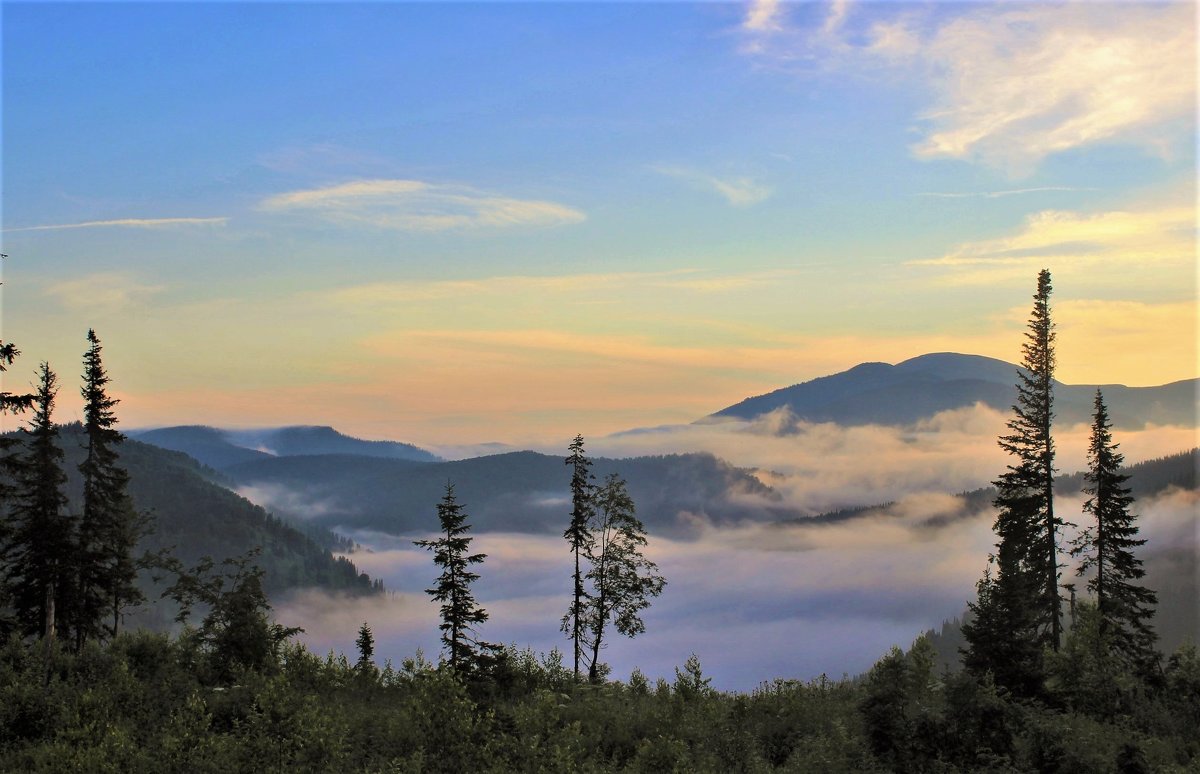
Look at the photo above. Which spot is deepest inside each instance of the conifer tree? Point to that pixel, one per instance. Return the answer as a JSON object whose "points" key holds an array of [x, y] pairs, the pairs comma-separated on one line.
{"points": [[366, 650], [237, 631], [109, 527], [1124, 607], [1013, 662], [9, 467], [578, 535], [1023, 594], [37, 553], [10, 403], [622, 580], [460, 613]]}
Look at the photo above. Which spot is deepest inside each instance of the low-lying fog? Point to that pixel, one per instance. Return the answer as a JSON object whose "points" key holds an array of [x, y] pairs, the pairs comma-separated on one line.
{"points": [[758, 601]]}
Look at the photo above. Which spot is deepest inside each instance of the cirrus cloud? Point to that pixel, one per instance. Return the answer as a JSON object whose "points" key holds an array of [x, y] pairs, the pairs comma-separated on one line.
{"points": [[1010, 85], [106, 292], [414, 205], [737, 191], [126, 223], [1113, 240]]}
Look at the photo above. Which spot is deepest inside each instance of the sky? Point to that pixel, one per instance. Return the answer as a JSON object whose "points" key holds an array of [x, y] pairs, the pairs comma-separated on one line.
{"points": [[462, 223]]}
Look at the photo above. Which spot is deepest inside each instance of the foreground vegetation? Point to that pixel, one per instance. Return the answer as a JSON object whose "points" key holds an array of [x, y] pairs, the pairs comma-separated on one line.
{"points": [[148, 702]]}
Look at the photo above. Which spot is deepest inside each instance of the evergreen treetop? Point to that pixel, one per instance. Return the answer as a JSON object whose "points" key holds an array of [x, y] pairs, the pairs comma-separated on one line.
{"points": [[578, 535], [109, 525], [1018, 610], [1107, 549], [460, 613], [37, 556]]}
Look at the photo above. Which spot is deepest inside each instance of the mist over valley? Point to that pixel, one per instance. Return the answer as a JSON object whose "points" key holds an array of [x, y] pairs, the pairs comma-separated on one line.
{"points": [[791, 545]]}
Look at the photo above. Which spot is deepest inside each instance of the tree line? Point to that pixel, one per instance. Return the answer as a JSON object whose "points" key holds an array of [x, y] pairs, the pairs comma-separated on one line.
{"points": [[69, 575], [1016, 621]]}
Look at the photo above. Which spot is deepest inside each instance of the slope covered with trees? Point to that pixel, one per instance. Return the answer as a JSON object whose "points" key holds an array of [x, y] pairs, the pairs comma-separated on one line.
{"points": [[517, 491], [192, 516]]}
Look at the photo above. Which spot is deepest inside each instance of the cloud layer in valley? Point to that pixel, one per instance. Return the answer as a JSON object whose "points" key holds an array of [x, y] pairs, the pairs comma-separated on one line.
{"points": [[754, 602], [822, 466]]}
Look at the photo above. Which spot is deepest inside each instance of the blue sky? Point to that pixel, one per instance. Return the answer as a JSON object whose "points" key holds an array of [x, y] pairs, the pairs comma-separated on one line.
{"points": [[467, 222]]}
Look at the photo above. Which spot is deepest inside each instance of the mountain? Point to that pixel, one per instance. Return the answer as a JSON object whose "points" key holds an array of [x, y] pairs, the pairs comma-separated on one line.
{"points": [[195, 516], [518, 491], [207, 445], [220, 448], [879, 393]]}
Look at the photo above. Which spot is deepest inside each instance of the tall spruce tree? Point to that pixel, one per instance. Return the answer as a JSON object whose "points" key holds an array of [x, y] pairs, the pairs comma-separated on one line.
{"points": [[1023, 597], [622, 579], [10, 404], [460, 613], [109, 527], [366, 650], [38, 551], [1106, 546], [579, 536]]}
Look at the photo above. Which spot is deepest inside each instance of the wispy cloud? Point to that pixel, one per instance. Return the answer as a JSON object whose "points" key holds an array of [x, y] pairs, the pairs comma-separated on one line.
{"points": [[835, 17], [694, 280], [1011, 85], [762, 16], [107, 292], [429, 290], [1066, 240], [738, 191], [127, 223], [1000, 194], [414, 205], [1014, 87]]}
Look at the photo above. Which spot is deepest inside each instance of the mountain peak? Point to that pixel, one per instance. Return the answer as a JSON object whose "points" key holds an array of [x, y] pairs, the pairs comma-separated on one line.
{"points": [[953, 365], [922, 386]]}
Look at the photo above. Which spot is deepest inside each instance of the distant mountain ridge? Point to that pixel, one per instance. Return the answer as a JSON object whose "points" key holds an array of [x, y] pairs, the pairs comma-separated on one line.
{"points": [[517, 491], [219, 448], [918, 388]]}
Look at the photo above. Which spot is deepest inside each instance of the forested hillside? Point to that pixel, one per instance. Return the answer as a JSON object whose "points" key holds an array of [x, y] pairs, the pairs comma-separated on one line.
{"points": [[193, 516], [518, 491], [218, 448]]}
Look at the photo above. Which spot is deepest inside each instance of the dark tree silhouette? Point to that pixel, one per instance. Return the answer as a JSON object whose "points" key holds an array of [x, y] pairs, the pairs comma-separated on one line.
{"points": [[110, 527], [1125, 608], [237, 632], [1023, 594], [578, 535], [9, 466], [366, 649], [460, 613], [622, 580], [38, 552]]}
